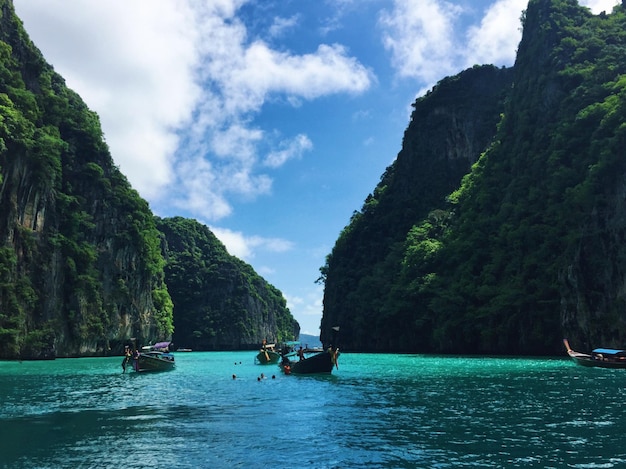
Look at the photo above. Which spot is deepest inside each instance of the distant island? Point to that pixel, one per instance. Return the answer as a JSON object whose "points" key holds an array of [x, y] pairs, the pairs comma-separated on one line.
{"points": [[310, 340]]}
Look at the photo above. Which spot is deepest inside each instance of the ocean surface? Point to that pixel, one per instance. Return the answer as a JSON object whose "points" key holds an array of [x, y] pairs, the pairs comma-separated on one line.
{"points": [[375, 411]]}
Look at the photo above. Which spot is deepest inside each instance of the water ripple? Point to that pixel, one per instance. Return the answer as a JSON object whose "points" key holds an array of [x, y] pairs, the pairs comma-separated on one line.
{"points": [[376, 411]]}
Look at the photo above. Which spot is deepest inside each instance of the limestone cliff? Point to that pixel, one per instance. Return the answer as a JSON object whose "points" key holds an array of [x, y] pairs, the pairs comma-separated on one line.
{"points": [[220, 303], [526, 248], [449, 129], [81, 269]]}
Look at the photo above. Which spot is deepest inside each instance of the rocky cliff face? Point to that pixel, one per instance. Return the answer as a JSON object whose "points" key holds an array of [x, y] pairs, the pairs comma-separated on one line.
{"points": [[220, 303], [528, 246], [450, 127], [80, 257]]}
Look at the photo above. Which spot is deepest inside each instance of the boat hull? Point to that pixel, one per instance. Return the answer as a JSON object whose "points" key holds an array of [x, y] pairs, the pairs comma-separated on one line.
{"points": [[267, 357], [589, 361], [154, 362], [320, 363], [595, 361]]}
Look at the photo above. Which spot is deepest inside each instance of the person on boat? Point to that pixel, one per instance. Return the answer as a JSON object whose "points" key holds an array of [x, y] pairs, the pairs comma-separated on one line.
{"points": [[301, 353]]}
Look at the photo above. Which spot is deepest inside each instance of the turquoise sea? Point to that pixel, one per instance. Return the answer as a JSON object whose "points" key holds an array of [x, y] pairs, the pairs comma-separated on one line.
{"points": [[375, 411]]}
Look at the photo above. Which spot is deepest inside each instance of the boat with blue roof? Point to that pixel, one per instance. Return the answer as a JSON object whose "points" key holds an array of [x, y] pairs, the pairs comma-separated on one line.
{"points": [[599, 357]]}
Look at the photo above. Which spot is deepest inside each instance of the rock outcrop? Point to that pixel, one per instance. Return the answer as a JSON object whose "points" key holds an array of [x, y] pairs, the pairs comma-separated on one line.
{"points": [[528, 247], [81, 269], [220, 302]]}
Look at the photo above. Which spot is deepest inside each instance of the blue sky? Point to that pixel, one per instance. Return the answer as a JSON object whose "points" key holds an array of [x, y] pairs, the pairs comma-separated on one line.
{"points": [[270, 121]]}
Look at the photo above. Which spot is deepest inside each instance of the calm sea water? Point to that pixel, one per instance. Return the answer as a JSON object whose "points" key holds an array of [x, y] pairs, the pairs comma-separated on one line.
{"points": [[375, 411]]}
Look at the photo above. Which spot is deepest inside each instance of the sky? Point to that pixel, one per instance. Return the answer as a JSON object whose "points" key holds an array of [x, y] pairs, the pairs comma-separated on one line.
{"points": [[269, 121]]}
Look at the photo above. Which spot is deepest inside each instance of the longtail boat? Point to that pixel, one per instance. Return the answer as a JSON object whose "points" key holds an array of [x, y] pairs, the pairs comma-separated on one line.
{"points": [[599, 357], [154, 361], [311, 361], [267, 355], [155, 357]]}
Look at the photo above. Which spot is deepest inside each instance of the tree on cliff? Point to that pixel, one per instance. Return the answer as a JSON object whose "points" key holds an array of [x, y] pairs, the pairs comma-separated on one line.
{"points": [[220, 302], [81, 268], [529, 245]]}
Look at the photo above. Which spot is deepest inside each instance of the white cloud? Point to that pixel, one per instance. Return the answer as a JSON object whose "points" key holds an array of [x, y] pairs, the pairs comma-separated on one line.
{"points": [[280, 25], [429, 39], [243, 247], [238, 78], [178, 85], [598, 6], [495, 39], [419, 35], [262, 70], [132, 62], [197, 177], [308, 308], [289, 150]]}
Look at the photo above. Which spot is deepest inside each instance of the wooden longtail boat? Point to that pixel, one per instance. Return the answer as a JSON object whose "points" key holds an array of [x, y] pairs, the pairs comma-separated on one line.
{"points": [[155, 357], [311, 361], [599, 357], [154, 361], [267, 355]]}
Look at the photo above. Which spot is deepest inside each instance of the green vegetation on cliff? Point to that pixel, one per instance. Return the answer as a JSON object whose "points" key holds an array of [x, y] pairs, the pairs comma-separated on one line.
{"points": [[82, 267], [529, 246], [220, 302], [80, 257]]}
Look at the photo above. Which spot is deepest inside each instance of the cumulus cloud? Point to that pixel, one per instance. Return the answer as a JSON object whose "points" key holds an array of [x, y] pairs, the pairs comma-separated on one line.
{"points": [[178, 84], [288, 150], [309, 303], [495, 39], [280, 25], [419, 35], [429, 39], [598, 6], [242, 246], [133, 63], [237, 78]]}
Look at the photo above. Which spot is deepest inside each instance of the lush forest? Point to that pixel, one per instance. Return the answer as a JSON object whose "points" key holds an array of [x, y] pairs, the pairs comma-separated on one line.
{"points": [[220, 302], [82, 263], [527, 246], [80, 256]]}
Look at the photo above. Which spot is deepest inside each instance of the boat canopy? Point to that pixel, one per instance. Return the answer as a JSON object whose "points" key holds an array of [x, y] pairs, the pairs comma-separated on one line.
{"points": [[609, 351], [161, 345]]}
